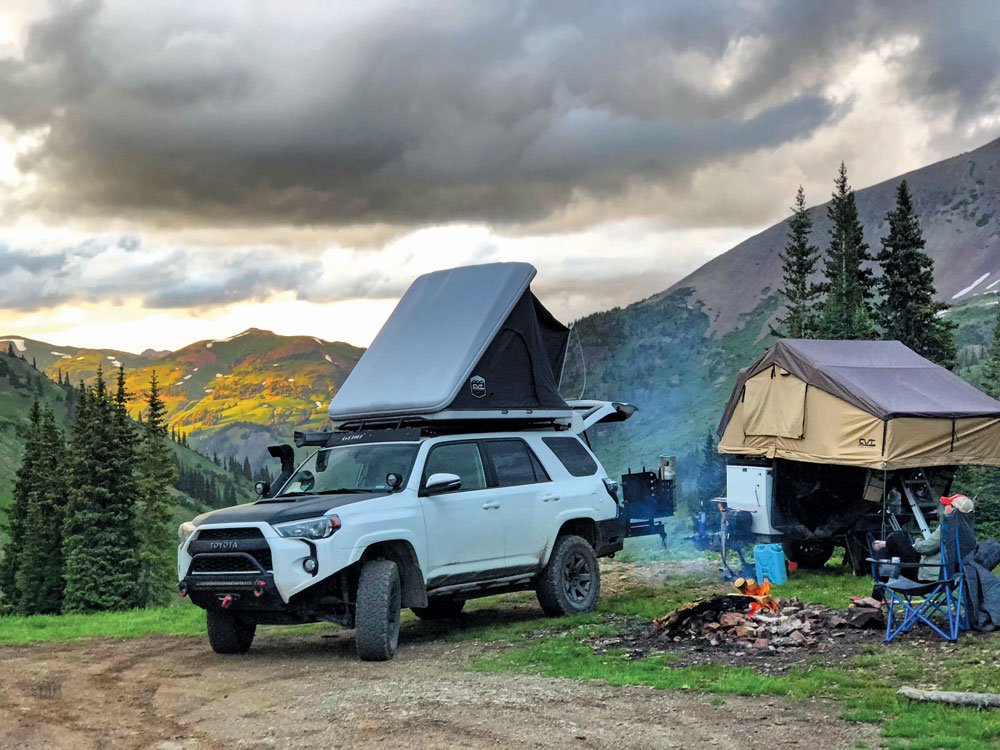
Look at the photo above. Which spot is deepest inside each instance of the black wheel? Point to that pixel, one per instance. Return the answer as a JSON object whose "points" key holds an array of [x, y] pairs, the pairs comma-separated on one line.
{"points": [[809, 555], [377, 616], [227, 633], [571, 582], [440, 610]]}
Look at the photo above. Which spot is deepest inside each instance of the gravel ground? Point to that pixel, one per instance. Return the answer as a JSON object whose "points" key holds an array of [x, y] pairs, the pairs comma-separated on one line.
{"points": [[310, 691]]}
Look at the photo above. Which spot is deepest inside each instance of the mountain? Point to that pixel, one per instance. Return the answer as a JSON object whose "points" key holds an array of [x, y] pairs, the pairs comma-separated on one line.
{"points": [[232, 397], [958, 200], [676, 354], [21, 383]]}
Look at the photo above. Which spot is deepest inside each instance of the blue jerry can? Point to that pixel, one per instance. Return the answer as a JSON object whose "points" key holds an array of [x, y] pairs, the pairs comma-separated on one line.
{"points": [[769, 561]]}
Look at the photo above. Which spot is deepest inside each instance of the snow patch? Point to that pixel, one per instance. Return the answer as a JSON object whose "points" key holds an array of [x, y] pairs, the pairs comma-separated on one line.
{"points": [[209, 344], [116, 363], [974, 284], [18, 343], [208, 390], [111, 357], [291, 380], [195, 370], [219, 375], [223, 341], [79, 357], [186, 377], [993, 284], [319, 404], [327, 358], [317, 341], [61, 355], [276, 365]]}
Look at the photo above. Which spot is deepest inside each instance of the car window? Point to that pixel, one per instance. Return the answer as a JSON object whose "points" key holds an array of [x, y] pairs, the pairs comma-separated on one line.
{"points": [[572, 455], [462, 459], [514, 463]]}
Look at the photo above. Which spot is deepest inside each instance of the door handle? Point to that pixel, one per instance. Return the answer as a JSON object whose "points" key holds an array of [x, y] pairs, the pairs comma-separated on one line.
{"points": [[491, 506], [550, 498]]}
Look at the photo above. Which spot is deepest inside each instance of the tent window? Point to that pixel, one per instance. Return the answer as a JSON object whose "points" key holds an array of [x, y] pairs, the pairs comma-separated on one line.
{"points": [[775, 407]]}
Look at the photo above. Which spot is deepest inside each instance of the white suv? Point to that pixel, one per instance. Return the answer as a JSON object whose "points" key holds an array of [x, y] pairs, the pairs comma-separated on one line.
{"points": [[383, 519]]}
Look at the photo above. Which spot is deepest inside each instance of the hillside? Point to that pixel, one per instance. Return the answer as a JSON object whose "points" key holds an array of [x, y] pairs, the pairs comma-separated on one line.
{"points": [[232, 397], [20, 383], [959, 204]]}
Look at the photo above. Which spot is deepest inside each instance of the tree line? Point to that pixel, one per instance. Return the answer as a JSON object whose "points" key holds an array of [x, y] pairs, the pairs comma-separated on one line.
{"points": [[850, 302], [90, 524]]}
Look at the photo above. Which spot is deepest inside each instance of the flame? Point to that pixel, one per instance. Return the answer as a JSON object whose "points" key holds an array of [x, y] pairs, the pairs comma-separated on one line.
{"points": [[761, 594]]}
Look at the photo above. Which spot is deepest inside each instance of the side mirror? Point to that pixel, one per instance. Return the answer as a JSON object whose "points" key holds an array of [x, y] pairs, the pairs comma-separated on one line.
{"points": [[393, 481], [263, 489], [438, 484]]}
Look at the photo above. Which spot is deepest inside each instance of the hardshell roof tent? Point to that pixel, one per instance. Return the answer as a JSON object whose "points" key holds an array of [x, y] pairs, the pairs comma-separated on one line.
{"points": [[464, 343], [875, 404]]}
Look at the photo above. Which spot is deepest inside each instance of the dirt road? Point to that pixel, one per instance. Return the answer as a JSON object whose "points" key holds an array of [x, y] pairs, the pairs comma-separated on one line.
{"points": [[309, 691]]}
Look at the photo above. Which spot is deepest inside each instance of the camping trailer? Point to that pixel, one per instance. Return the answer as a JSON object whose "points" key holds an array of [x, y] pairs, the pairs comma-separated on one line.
{"points": [[832, 440]]}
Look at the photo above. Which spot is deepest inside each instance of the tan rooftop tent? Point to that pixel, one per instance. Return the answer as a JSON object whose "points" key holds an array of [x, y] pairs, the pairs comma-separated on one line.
{"points": [[876, 404]]}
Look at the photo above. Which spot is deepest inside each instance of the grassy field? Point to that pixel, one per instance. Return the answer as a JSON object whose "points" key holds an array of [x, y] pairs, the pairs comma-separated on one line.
{"points": [[865, 688]]}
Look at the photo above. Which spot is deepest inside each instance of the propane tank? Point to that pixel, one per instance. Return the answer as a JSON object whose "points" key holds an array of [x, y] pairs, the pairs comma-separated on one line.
{"points": [[668, 468]]}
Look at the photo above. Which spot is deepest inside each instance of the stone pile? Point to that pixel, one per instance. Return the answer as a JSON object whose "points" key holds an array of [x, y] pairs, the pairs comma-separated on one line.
{"points": [[726, 621]]}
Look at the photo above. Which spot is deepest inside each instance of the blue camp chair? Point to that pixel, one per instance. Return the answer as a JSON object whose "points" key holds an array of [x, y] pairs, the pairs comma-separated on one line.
{"points": [[939, 604]]}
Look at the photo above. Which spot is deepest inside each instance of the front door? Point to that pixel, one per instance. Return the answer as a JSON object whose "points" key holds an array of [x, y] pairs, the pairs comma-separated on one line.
{"points": [[465, 536]]}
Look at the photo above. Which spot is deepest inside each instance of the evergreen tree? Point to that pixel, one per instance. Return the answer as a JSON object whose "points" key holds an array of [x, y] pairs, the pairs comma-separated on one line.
{"points": [[908, 311], [156, 474], [10, 349], [846, 312], [712, 474], [99, 531], [24, 482], [798, 265], [40, 575], [991, 367]]}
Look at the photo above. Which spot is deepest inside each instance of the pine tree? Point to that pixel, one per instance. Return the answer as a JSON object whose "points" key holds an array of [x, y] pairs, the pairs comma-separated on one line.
{"points": [[157, 473], [908, 311], [99, 529], [39, 580], [991, 367], [846, 312], [712, 474], [25, 480], [798, 265], [10, 349]]}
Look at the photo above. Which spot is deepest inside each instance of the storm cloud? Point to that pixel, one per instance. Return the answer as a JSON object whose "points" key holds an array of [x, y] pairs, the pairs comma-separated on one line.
{"points": [[236, 114]]}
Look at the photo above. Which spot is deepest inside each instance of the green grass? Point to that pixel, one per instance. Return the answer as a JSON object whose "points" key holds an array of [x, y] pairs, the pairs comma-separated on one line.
{"points": [[184, 619]]}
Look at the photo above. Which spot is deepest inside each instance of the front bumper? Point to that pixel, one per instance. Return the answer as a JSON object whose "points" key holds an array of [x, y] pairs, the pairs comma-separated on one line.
{"points": [[237, 563]]}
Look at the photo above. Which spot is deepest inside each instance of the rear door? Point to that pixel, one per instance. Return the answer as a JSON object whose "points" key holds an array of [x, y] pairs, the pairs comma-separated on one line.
{"points": [[464, 531], [526, 495]]}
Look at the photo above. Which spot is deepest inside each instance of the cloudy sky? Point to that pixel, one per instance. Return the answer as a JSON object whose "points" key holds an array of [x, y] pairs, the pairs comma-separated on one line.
{"points": [[179, 171]]}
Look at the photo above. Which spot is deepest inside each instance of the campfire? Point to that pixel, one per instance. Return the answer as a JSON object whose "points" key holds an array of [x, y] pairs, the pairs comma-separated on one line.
{"points": [[752, 617]]}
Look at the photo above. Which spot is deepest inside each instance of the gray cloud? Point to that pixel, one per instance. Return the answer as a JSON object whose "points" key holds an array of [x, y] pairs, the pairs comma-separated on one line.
{"points": [[399, 114]]}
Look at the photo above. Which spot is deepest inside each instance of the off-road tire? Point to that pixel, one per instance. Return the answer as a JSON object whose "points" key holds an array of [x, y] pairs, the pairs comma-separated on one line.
{"points": [[378, 610], [227, 633], [571, 581], [808, 555], [446, 609]]}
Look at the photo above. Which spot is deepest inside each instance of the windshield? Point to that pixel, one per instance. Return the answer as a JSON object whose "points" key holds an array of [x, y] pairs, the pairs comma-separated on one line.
{"points": [[351, 468]]}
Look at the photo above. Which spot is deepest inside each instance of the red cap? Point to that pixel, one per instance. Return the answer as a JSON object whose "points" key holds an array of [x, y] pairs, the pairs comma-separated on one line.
{"points": [[951, 498]]}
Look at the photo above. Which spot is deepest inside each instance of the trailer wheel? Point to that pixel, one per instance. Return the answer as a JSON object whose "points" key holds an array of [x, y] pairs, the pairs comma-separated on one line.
{"points": [[227, 633], [378, 609], [810, 555], [571, 581], [440, 610]]}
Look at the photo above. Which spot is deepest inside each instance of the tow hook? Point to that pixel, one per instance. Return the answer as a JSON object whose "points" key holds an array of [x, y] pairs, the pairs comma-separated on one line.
{"points": [[258, 588], [227, 601], [182, 589]]}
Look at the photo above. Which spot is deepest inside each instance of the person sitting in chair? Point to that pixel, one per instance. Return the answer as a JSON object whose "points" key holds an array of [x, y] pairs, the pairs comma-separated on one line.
{"points": [[925, 551]]}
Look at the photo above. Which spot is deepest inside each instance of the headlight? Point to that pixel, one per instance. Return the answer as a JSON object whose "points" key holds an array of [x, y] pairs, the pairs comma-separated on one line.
{"points": [[185, 530], [310, 528]]}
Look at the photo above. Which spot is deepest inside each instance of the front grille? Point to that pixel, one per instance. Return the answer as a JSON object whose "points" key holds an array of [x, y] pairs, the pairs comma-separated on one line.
{"points": [[229, 563], [209, 535]]}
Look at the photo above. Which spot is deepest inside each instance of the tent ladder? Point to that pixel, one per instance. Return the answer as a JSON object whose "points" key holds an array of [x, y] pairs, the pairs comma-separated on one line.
{"points": [[920, 496]]}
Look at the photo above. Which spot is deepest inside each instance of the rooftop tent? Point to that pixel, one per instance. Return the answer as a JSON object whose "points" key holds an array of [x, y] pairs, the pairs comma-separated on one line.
{"points": [[462, 343], [874, 404]]}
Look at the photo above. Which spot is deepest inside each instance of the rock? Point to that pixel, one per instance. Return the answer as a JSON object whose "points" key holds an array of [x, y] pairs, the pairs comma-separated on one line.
{"points": [[732, 619], [761, 643], [836, 621], [797, 638], [743, 631]]}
